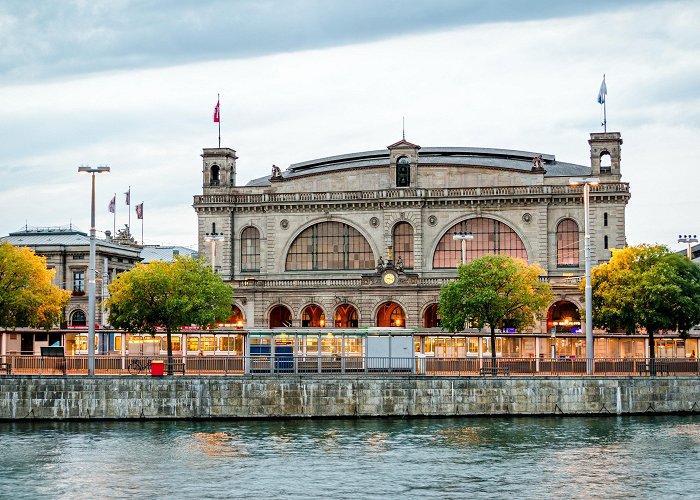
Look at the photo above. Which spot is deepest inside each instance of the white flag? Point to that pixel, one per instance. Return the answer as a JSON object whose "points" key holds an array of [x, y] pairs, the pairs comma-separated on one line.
{"points": [[603, 92]]}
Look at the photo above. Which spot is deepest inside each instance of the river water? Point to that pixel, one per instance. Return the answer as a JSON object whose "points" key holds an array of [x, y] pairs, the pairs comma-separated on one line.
{"points": [[565, 457]]}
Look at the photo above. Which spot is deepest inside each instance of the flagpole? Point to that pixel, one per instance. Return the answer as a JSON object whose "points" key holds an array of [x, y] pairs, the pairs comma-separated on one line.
{"points": [[142, 243], [128, 198], [605, 112], [218, 100], [114, 222]]}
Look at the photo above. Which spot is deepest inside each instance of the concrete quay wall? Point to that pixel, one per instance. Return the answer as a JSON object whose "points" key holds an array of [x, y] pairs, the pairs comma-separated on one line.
{"points": [[119, 397]]}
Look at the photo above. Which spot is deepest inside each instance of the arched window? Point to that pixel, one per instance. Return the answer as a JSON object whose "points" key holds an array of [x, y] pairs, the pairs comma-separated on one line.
{"points": [[346, 316], [605, 163], [403, 172], [329, 245], [214, 175], [490, 237], [280, 317], [567, 243], [78, 318], [313, 317], [605, 242], [431, 319], [391, 314], [250, 250], [403, 244]]}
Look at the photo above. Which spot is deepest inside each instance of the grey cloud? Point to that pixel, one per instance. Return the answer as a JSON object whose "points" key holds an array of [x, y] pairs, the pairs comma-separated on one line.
{"points": [[54, 39]]}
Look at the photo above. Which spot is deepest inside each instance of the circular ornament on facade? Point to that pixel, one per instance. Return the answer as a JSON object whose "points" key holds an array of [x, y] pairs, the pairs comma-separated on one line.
{"points": [[527, 218], [284, 223], [432, 220], [374, 222]]}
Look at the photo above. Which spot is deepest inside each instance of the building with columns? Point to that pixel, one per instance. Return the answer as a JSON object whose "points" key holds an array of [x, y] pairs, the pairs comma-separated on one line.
{"points": [[367, 239]]}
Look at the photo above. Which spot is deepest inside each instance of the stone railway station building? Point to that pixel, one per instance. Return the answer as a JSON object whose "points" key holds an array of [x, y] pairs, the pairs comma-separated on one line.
{"points": [[367, 239]]}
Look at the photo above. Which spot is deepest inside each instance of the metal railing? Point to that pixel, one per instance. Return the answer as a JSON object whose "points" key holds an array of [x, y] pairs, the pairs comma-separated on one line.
{"points": [[351, 365]]}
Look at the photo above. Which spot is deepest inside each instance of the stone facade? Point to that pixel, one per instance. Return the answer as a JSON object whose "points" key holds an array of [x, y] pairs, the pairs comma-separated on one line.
{"points": [[432, 189], [66, 398], [67, 253]]}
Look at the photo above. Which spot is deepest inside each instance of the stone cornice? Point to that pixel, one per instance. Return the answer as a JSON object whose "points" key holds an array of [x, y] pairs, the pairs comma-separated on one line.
{"points": [[410, 197]]}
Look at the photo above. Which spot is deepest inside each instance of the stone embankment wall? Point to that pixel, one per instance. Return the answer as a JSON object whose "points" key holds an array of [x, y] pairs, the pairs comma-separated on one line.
{"points": [[41, 397]]}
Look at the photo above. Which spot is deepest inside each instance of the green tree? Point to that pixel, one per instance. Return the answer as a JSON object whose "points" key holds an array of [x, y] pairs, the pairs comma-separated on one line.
{"points": [[496, 290], [646, 286], [27, 296], [168, 295]]}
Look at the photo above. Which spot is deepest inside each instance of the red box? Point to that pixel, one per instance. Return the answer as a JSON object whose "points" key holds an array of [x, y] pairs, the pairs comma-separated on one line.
{"points": [[156, 368]]}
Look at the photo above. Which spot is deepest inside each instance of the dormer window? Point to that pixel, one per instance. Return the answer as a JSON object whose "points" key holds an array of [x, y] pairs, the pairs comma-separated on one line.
{"points": [[214, 177], [403, 172]]}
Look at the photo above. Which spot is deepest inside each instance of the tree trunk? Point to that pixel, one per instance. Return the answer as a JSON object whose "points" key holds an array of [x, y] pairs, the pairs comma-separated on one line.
{"points": [[493, 350], [170, 352], [652, 356]]}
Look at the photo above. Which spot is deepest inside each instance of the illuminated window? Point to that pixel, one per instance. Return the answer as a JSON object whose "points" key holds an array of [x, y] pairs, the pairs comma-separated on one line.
{"points": [[313, 317], [490, 237], [346, 316], [192, 343], [431, 318], [391, 314], [327, 246], [403, 244], [567, 244], [250, 250]]}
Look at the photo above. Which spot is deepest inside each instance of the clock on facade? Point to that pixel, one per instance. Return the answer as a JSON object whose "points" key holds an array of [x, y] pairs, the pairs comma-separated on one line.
{"points": [[389, 278]]}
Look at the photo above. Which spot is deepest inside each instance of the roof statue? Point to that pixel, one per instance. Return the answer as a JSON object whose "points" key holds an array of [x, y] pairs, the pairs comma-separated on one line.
{"points": [[538, 164]]}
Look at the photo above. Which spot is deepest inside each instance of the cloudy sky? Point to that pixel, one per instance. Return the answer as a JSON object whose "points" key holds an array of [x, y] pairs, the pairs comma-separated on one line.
{"points": [[133, 84]]}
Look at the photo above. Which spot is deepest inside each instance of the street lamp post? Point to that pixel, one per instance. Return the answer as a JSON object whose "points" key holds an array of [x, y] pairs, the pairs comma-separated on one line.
{"points": [[587, 182], [463, 237], [689, 239], [213, 238], [91, 273]]}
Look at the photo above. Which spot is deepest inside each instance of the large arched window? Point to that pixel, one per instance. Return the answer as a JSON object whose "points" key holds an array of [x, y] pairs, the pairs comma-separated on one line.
{"points": [[403, 244], [490, 237], [346, 316], [390, 314], [329, 245], [567, 243], [313, 316], [78, 318], [250, 250], [280, 317]]}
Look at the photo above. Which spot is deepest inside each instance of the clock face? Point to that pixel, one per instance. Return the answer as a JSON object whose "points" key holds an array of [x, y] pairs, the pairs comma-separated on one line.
{"points": [[389, 278]]}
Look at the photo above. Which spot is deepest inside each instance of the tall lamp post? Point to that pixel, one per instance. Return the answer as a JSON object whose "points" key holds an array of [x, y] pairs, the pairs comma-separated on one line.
{"points": [[687, 238], [91, 274], [587, 182], [463, 237], [213, 238]]}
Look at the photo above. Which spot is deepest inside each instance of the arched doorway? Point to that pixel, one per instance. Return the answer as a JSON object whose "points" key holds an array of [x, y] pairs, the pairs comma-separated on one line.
{"points": [[236, 319], [280, 317], [564, 316], [390, 314], [313, 317], [346, 316], [430, 317]]}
